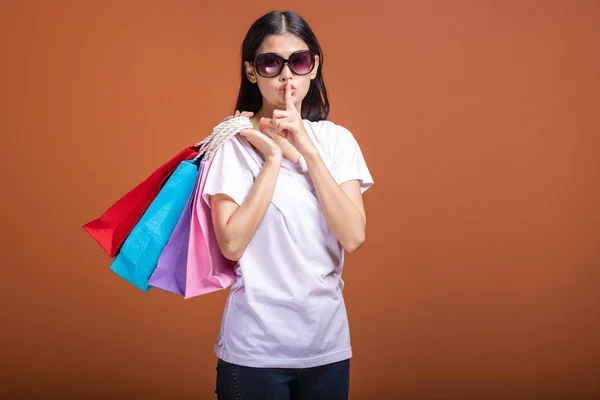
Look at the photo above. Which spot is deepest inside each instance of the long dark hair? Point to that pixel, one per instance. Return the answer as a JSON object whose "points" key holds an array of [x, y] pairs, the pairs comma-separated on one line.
{"points": [[315, 106]]}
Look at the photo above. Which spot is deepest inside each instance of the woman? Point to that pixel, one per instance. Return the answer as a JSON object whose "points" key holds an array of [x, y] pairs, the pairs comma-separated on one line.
{"points": [[286, 202]]}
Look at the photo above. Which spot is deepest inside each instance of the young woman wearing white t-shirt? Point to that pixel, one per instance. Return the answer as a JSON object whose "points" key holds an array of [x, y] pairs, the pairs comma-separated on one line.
{"points": [[286, 202]]}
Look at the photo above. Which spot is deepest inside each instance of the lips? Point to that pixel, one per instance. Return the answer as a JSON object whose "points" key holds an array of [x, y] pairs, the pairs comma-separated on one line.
{"points": [[282, 89]]}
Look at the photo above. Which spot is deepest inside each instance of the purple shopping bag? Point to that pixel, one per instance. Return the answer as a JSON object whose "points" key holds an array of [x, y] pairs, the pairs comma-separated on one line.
{"points": [[171, 270]]}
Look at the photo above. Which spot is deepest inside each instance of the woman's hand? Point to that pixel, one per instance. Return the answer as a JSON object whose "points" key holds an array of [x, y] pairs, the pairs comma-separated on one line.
{"points": [[289, 151], [261, 140], [243, 113], [289, 125], [264, 144]]}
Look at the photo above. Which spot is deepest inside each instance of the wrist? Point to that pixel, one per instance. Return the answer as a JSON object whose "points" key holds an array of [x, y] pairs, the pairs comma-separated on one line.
{"points": [[274, 159], [310, 153]]}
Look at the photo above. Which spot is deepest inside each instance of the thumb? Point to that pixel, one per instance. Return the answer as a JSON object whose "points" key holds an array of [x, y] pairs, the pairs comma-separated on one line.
{"points": [[265, 124]]}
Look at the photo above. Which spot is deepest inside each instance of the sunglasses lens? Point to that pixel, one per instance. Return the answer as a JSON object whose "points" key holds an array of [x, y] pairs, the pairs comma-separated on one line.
{"points": [[269, 65], [301, 63]]}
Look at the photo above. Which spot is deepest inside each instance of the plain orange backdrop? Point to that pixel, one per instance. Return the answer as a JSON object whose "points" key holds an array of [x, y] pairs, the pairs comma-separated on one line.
{"points": [[479, 121]]}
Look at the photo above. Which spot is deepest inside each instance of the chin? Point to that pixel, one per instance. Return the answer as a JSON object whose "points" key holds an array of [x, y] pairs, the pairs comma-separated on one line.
{"points": [[279, 103]]}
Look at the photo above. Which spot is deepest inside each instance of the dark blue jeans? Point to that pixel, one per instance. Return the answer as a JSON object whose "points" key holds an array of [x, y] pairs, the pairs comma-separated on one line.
{"points": [[327, 382]]}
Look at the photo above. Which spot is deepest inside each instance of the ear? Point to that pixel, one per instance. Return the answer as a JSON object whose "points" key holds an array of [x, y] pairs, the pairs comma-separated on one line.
{"points": [[315, 70], [250, 72]]}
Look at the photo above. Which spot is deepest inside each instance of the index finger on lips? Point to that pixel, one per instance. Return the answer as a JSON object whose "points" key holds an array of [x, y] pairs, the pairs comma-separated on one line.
{"points": [[288, 96]]}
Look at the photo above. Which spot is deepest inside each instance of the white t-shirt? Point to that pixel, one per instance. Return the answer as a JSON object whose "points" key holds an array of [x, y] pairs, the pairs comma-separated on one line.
{"points": [[285, 308]]}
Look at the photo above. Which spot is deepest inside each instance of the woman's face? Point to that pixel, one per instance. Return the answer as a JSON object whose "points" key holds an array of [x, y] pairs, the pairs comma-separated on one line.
{"points": [[273, 89]]}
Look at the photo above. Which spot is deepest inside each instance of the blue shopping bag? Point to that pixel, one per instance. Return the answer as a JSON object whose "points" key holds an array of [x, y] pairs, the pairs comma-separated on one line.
{"points": [[141, 250], [171, 269]]}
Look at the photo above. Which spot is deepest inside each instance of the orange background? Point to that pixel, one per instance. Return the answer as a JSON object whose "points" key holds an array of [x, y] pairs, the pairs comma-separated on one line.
{"points": [[479, 121]]}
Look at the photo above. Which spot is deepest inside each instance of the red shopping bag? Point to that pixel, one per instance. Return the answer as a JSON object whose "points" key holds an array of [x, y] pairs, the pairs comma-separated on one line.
{"points": [[113, 227]]}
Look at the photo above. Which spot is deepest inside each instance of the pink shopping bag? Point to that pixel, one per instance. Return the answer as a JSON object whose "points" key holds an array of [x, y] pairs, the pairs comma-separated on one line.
{"points": [[207, 269]]}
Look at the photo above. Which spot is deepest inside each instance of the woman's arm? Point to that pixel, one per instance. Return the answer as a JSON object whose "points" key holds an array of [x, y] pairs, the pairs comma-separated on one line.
{"points": [[342, 204], [235, 224]]}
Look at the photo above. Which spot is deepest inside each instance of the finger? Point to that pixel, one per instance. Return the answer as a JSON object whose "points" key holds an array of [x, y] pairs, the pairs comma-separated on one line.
{"points": [[288, 96], [247, 114], [283, 126], [280, 114], [267, 128], [266, 122], [274, 119], [237, 112], [278, 121], [265, 125], [285, 134], [248, 131]]}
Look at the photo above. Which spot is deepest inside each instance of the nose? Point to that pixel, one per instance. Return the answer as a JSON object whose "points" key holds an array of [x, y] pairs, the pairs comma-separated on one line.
{"points": [[286, 73]]}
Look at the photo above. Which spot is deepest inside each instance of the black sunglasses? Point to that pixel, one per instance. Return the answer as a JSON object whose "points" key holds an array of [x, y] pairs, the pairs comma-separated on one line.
{"points": [[270, 65]]}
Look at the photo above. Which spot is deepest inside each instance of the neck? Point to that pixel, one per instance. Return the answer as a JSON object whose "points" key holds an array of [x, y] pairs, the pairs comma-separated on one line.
{"points": [[267, 109]]}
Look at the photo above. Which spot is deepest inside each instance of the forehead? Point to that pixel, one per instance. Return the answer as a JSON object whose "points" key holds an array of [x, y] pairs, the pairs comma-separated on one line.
{"points": [[284, 44]]}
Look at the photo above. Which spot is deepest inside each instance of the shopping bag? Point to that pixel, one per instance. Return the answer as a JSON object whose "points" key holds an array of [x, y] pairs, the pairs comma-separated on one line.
{"points": [[207, 269], [111, 229], [138, 257], [170, 271]]}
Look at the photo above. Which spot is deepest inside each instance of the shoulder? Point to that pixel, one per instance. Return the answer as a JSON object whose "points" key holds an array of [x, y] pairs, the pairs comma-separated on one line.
{"points": [[326, 127], [227, 154], [224, 146], [225, 136], [331, 133]]}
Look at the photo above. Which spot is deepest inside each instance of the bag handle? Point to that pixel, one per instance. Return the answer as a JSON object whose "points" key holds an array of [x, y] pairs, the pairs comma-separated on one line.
{"points": [[229, 127]]}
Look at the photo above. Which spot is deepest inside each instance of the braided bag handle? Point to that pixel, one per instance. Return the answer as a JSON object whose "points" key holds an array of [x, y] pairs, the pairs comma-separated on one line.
{"points": [[221, 133]]}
